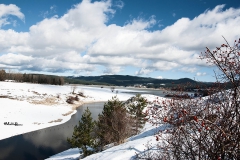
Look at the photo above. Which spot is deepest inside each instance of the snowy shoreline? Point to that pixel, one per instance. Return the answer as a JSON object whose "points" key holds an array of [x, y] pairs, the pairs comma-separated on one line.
{"points": [[38, 106]]}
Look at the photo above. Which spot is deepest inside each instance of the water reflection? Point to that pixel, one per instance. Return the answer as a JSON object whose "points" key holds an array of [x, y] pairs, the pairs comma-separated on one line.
{"points": [[44, 143]]}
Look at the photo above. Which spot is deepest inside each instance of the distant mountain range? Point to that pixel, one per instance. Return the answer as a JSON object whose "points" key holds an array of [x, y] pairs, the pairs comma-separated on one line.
{"points": [[126, 80]]}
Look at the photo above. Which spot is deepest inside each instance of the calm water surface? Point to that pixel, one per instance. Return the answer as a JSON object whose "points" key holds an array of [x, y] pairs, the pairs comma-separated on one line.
{"points": [[44, 143]]}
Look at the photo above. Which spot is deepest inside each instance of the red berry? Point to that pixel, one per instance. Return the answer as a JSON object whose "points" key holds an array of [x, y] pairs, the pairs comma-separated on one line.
{"points": [[195, 118], [165, 119]]}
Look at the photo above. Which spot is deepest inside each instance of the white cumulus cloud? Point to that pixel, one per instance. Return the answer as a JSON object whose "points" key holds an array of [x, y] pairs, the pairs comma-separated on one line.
{"points": [[7, 10], [81, 40]]}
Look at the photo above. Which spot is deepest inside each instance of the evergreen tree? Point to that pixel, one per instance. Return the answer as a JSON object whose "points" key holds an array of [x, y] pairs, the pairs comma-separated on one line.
{"points": [[113, 124], [136, 110], [83, 134]]}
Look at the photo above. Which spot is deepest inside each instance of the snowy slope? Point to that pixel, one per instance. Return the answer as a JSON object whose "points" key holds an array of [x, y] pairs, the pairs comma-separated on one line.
{"points": [[126, 151]]}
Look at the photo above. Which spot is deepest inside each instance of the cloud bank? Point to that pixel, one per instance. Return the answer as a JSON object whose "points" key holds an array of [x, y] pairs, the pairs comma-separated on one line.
{"points": [[83, 41]]}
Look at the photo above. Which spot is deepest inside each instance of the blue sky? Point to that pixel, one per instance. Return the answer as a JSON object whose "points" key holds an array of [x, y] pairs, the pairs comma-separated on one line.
{"points": [[150, 38]]}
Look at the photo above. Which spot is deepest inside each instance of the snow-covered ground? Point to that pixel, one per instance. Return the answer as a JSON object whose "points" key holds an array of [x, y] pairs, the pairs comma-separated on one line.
{"points": [[36, 106]]}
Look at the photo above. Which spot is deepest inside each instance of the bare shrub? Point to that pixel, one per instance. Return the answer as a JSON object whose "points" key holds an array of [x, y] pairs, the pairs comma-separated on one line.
{"points": [[81, 94], [73, 89], [209, 127], [150, 153], [76, 98], [70, 100]]}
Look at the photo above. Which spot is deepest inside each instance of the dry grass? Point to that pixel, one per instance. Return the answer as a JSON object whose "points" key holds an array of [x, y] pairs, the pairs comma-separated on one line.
{"points": [[58, 120], [4, 96], [46, 101], [65, 114]]}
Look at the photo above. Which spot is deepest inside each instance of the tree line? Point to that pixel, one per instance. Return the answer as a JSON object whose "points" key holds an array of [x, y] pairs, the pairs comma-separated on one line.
{"points": [[31, 78]]}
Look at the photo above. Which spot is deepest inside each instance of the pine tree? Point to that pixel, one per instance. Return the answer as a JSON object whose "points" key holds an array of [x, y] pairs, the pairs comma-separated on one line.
{"points": [[113, 124], [136, 110], [83, 134]]}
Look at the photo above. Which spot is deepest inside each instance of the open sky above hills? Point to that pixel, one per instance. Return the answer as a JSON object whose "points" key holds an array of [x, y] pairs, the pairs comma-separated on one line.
{"points": [[160, 39]]}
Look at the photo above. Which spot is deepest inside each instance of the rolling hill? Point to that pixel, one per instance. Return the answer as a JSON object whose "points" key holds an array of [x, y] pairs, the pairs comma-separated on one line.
{"points": [[126, 80]]}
